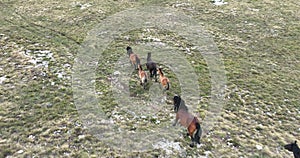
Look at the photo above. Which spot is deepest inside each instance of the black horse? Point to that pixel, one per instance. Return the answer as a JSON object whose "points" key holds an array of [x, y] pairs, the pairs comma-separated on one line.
{"points": [[152, 67], [293, 147], [187, 120]]}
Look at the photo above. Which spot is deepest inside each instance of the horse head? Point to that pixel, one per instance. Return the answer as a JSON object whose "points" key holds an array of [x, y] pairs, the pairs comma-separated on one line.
{"points": [[129, 50], [291, 146], [177, 101]]}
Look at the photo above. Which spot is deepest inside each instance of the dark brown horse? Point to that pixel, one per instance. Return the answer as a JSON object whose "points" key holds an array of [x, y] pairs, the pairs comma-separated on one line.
{"points": [[165, 82], [293, 147], [134, 58], [143, 76], [152, 67], [187, 120]]}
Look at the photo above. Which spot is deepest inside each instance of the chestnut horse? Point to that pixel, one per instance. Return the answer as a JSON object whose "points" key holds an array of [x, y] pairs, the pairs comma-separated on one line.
{"points": [[165, 82], [187, 120], [293, 147], [152, 67], [134, 59], [143, 76]]}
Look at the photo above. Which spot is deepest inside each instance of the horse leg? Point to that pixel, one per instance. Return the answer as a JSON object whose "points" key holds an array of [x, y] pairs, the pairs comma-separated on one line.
{"points": [[192, 129], [192, 141], [154, 74], [192, 144], [198, 132], [151, 72], [176, 120]]}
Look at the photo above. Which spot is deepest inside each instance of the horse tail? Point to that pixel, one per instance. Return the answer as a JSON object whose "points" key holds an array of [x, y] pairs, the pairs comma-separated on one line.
{"points": [[168, 86], [198, 133]]}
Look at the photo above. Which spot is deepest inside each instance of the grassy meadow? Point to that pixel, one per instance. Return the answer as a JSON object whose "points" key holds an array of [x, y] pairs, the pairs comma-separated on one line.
{"points": [[259, 42]]}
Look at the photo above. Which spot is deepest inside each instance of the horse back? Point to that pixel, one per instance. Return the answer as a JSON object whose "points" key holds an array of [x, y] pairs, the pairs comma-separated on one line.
{"points": [[133, 57], [185, 118], [142, 74], [164, 80], [151, 65]]}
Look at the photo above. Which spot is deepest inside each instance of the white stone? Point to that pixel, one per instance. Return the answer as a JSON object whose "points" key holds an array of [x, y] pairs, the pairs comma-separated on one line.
{"points": [[259, 147], [3, 78]]}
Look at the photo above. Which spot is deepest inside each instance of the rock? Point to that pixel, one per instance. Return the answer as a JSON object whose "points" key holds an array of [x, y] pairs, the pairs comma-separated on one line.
{"points": [[3, 78], [219, 2], [47, 105], [81, 136], [259, 147], [65, 146], [117, 73], [20, 151]]}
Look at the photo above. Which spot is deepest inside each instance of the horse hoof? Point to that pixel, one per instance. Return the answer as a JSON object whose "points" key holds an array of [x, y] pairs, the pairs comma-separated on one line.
{"points": [[191, 145]]}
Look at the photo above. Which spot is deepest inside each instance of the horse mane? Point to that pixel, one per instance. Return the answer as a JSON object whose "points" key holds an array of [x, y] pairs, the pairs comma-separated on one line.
{"points": [[182, 105], [179, 104]]}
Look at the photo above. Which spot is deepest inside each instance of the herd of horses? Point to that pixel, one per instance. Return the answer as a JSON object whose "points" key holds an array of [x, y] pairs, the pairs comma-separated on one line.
{"points": [[183, 116]]}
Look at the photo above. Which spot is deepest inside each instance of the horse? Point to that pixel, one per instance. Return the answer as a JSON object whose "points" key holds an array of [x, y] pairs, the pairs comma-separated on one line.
{"points": [[151, 66], [134, 58], [187, 120], [293, 147], [143, 76], [165, 82]]}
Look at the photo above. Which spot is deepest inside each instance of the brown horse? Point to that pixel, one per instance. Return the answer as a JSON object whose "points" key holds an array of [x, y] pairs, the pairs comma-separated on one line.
{"points": [[165, 82], [143, 76], [293, 147], [134, 58], [187, 120], [152, 67]]}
